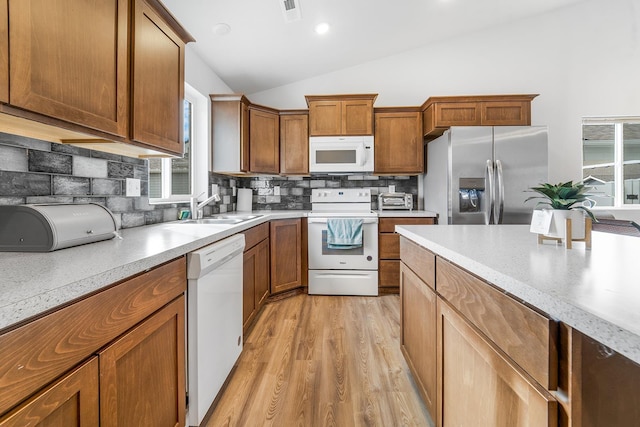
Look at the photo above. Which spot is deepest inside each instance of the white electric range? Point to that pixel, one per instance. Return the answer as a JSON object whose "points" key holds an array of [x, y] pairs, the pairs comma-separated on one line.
{"points": [[350, 271]]}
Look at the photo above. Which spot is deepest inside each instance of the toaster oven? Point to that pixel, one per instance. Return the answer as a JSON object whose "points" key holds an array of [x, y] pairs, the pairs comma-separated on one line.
{"points": [[399, 201]]}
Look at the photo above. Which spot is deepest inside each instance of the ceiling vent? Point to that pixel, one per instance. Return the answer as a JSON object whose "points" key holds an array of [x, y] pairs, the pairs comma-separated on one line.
{"points": [[291, 10]]}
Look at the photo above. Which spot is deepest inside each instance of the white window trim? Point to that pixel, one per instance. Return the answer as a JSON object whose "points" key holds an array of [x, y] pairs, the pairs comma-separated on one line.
{"points": [[618, 161], [199, 152]]}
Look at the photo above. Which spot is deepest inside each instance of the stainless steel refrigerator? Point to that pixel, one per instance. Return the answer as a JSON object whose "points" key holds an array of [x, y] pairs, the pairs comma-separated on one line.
{"points": [[481, 174]]}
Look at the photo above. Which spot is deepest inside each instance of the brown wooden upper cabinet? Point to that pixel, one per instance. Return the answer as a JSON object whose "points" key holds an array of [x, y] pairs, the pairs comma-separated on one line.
{"points": [[294, 142], [264, 140], [335, 115], [111, 69], [4, 51], [157, 80], [440, 113], [398, 141], [69, 60]]}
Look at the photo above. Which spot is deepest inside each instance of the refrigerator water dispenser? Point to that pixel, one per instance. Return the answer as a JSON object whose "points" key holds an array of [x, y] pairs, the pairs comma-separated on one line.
{"points": [[470, 195]]}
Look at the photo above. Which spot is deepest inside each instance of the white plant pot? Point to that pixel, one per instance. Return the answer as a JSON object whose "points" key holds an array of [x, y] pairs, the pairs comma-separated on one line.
{"points": [[559, 222]]}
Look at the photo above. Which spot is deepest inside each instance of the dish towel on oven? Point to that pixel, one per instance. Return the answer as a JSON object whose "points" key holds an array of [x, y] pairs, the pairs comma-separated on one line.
{"points": [[344, 233]]}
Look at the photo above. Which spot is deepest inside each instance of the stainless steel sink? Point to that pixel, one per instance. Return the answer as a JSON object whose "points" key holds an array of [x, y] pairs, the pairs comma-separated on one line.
{"points": [[221, 219]]}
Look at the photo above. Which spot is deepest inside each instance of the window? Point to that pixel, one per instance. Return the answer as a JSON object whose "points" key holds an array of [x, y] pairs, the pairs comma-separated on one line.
{"points": [[177, 179], [611, 160], [171, 178]]}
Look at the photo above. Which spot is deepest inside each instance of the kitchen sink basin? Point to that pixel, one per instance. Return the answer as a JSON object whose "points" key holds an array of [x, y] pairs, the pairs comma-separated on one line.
{"points": [[221, 219]]}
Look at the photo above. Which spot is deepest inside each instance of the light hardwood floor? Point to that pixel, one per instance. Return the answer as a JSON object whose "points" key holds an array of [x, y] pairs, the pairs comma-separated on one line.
{"points": [[323, 361]]}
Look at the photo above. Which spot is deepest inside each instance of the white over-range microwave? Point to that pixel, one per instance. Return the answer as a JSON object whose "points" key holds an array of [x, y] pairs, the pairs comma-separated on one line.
{"points": [[341, 154]]}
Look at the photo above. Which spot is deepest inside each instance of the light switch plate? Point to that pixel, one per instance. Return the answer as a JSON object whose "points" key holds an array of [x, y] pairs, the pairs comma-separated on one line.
{"points": [[214, 189], [133, 187], [276, 190]]}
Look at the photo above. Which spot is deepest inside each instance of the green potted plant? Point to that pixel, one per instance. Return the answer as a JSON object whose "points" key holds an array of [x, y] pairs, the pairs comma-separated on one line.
{"points": [[567, 200]]}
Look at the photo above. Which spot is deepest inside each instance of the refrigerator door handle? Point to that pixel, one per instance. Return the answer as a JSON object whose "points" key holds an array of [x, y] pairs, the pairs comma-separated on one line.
{"points": [[498, 207], [488, 192]]}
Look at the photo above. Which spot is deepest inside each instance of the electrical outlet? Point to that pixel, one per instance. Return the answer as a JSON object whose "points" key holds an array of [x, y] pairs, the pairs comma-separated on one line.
{"points": [[133, 187], [214, 189], [392, 189], [276, 190]]}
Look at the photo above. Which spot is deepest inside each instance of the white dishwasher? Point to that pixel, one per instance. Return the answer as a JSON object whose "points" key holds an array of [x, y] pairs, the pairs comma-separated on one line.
{"points": [[214, 321]]}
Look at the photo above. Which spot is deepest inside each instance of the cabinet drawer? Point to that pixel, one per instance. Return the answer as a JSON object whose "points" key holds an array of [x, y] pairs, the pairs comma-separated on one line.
{"points": [[420, 260], [255, 235], [389, 245], [38, 352], [389, 274], [528, 337], [388, 225]]}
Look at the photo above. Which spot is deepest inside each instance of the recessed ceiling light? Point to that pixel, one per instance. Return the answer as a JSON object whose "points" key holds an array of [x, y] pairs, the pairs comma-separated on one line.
{"points": [[221, 29], [322, 28]]}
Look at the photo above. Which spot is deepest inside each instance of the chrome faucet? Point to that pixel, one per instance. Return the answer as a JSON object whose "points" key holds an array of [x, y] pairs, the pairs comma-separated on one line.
{"points": [[196, 208]]}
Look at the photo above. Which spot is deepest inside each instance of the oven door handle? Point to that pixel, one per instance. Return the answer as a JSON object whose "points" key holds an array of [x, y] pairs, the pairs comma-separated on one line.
{"points": [[311, 220]]}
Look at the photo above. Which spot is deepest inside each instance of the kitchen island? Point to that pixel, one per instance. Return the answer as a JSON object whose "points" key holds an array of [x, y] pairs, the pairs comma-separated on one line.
{"points": [[499, 308]]}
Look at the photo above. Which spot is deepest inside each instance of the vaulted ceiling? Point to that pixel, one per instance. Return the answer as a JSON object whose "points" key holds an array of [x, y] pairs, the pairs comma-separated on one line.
{"points": [[261, 50]]}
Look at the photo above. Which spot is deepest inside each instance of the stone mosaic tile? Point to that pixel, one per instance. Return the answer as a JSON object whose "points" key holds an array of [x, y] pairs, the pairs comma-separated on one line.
{"points": [[69, 185], [70, 149], [99, 200], [13, 158], [22, 141], [142, 204], [12, 201], [134, 160], [46, 161], [49, 199], [141, 172], [88, 167], [106, 156], [119, 170], [120, 204], [24, 184], [132, 219], [109, 187], [153, 217]]}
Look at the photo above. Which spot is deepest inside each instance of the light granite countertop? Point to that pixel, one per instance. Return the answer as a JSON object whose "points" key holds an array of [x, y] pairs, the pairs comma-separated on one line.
{"points": [[33, 283], [595, 291]]}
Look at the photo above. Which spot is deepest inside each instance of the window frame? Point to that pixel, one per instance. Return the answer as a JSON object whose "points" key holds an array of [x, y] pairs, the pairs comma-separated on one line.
{"points": [[618, 157], [198, 173]]}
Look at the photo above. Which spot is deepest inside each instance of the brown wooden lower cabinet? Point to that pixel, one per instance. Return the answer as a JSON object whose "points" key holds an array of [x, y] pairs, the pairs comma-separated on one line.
{"points": [[480, 385], [389, 251], [499, 362], [142, 378], [70, 401], [255, 273], [286, 254], [137, 330], [603, 385], [418, 333]]}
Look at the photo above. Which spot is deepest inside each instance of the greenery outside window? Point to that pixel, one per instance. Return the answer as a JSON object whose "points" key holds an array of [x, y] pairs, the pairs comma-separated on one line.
{"points": [[611, 160]]}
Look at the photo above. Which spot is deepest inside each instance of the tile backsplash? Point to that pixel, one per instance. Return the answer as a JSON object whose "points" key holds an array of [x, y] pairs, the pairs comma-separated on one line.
{"points": [[295, 192], [35, 171]]}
